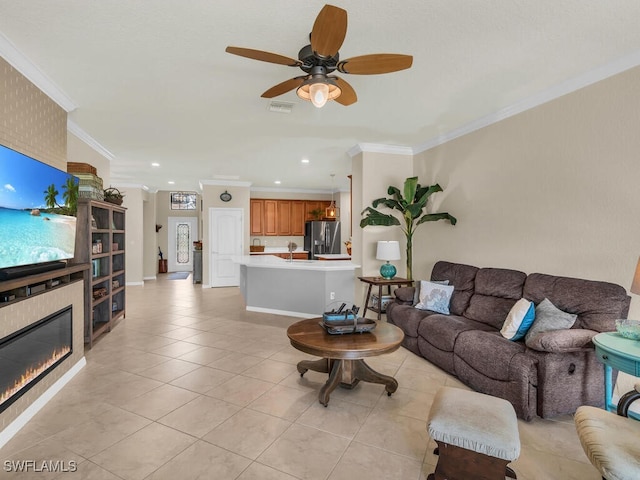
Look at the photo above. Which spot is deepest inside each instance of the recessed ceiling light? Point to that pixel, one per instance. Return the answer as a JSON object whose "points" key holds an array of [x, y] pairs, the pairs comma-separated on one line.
{"points": [[304, 160], [155, 164], [277, 182], [171, 182]]}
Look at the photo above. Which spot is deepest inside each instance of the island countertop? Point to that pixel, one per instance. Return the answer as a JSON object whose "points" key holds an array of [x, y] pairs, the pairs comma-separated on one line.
{"points": [[271, 261]]}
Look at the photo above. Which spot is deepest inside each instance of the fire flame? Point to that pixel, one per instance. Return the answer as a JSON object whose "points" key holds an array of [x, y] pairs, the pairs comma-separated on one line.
{"points": [[32, 373]]}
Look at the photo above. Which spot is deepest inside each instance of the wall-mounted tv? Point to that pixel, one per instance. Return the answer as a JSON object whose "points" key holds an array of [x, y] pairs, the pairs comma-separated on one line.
{"points": [[37, 208]]}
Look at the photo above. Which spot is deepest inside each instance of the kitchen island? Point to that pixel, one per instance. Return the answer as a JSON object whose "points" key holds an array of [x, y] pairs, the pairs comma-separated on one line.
{"points": [[298, 288]]}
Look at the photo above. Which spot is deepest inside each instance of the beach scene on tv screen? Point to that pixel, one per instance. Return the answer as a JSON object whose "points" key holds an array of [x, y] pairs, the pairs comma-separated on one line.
{"points": [[36, 201]]}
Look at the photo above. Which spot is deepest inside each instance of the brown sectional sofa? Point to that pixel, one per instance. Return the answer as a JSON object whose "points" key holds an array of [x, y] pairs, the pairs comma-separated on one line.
{"points": [[556, 377]]}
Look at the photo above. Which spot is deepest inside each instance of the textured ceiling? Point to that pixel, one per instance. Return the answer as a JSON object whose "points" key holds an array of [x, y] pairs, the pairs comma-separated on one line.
{"points": [[152, 82]]}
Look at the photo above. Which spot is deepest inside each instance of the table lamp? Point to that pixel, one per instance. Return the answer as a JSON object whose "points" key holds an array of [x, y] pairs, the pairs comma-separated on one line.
{"points": [[635, 285], [388, 250]]}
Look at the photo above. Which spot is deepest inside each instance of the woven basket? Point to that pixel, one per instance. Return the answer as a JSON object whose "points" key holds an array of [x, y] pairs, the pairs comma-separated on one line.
{"points": [[113, 195], [73, 167]]}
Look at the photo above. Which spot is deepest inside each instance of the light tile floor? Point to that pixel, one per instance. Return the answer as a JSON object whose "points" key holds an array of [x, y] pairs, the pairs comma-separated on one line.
{"points": [[191, 386]]}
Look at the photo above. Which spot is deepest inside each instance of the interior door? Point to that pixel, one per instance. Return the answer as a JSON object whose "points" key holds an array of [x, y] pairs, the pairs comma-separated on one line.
{"points": [[183, 231], [226, 234]]}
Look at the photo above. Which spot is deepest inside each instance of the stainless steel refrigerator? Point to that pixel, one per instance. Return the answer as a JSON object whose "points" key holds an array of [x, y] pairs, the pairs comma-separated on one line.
{"points": [[321, 238]]}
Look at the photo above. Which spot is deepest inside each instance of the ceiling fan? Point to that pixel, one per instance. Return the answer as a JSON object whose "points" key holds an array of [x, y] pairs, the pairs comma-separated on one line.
{"points": [[321, 58]]}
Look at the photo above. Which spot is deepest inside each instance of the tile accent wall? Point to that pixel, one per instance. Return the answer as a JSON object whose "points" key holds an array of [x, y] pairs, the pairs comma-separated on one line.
{"points": [[18, 315], [33, 124], [30, 122]]}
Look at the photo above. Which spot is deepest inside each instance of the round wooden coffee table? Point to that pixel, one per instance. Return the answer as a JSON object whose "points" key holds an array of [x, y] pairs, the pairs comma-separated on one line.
{"points": [[343, 354]]}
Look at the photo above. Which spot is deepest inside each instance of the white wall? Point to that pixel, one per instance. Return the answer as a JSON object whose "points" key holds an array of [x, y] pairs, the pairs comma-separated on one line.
{"points": [[134, 234], [554, 189], [372, 175]]}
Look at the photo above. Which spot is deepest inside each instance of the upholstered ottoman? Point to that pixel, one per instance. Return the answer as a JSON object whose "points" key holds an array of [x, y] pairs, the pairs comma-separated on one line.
{"points": [[477, 435]]}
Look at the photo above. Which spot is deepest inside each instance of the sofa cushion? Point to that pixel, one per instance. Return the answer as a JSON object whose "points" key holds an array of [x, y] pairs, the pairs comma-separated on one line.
{"points": [[549, 318], [406, 317], [488, 352], [562, 341], [405, 294], [597, 304], [461, 277], [496, 291], [434, 296], [441, 331], [519, 320]]}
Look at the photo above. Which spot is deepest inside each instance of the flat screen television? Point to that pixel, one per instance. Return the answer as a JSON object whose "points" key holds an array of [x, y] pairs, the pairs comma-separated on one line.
{"points": [[37, 208]]}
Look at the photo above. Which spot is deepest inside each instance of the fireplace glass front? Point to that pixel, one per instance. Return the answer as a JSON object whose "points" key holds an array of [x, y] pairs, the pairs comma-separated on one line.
{"points": [[28, 355]]}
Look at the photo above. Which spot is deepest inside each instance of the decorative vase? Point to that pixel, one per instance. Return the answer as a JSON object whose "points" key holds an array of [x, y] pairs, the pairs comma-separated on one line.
{"points": [[387, 271]]}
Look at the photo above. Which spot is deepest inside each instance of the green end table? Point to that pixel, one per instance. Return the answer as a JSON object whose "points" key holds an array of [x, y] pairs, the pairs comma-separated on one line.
{"points": [[623, 354]]}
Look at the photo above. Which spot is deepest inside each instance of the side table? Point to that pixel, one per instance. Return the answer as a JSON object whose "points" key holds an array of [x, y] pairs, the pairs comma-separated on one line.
{"points": [[381, 282], [623, 354]]}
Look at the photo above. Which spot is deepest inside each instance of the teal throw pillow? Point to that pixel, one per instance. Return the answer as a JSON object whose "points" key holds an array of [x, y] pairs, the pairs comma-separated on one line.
{"points": [[519, 320]]}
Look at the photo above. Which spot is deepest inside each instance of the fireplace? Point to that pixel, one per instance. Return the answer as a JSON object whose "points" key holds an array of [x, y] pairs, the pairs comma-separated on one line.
{"points": [[29, 354]]}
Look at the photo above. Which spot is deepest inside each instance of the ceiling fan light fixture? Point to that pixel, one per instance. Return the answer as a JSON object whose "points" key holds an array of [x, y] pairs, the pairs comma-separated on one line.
{"points": [[318, 91]]}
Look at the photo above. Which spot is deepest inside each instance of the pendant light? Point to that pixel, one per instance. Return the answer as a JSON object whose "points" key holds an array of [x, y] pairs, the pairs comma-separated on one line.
{"points": [[332, 211]]}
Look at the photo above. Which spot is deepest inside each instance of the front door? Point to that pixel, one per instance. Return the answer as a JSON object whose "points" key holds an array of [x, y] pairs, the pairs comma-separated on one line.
{"points": [[183, 231], [226, 234]]}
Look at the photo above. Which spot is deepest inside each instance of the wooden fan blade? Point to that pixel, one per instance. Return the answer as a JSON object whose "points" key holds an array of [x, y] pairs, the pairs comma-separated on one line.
{"points": [[329, 31], [348, 95], [263, 56], [375, 63], [283, 87]]}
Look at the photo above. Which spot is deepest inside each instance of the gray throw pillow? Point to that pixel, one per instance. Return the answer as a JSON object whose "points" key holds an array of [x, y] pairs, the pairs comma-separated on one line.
{"points": [[416, 294], [548, 318]]}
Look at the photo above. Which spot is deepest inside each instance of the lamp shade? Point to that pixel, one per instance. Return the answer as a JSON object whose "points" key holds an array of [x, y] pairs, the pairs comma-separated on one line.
{"points": [[635, 285], [388, 250]]}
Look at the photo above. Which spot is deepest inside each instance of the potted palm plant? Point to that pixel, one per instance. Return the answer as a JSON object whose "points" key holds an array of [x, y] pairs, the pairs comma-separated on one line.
{"points": [[411, 203]]}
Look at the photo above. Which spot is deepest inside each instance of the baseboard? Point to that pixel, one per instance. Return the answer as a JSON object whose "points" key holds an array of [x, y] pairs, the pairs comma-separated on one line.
{"points": [[281, 312], [135, 284]]}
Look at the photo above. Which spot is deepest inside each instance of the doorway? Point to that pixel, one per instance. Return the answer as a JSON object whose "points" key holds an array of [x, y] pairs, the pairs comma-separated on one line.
{"points": [[226, 236], [183, 231]]}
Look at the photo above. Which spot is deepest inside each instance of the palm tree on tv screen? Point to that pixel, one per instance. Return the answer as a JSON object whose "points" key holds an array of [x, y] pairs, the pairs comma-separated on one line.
{"points": [[50, 195], [70, 195]]}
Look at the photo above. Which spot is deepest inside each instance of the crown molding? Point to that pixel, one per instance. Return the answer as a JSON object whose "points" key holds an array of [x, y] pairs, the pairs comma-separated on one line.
{"points": [[571, 85], [130, 185], [73, 128], [379, 148], [289, 190], [26, 67], [223, 183]]}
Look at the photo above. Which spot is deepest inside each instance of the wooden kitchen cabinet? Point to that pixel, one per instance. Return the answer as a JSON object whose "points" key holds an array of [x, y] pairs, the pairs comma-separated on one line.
{"points": [[271, 217], [297, 217], [296, 256], [283, 218], [310, 206], [257, 217]]}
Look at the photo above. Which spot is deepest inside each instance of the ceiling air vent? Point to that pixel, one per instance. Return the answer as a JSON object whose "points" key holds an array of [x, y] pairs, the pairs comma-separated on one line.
{"points": [[281, 107]]}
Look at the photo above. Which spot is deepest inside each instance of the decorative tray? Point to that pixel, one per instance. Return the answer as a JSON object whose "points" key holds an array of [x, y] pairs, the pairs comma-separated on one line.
{"points": [[356, 325]]}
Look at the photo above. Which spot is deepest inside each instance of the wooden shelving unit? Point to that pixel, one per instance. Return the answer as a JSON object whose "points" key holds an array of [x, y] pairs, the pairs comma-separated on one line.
{"points": [[100, 241]]}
